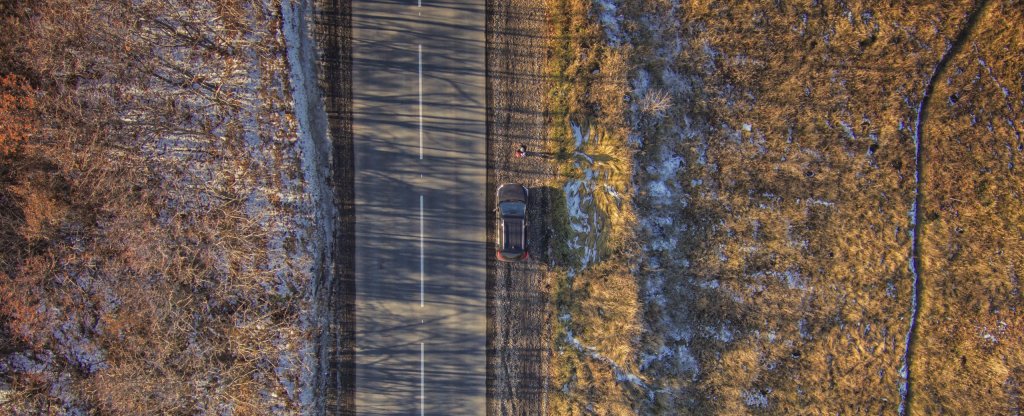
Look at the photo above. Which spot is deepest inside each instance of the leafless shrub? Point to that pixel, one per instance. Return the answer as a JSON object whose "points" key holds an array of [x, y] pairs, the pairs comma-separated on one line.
{"points": [[136, 259], [655, 103]]}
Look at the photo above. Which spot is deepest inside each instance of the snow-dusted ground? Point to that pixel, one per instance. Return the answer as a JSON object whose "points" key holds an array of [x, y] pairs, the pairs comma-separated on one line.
{"points": [[585, 218], [314, 153], [661, 196], [765, 205], [236, 143], [621, 374], [281, 173]]}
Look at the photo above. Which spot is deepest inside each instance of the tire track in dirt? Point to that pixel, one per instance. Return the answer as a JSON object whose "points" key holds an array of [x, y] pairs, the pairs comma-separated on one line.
{"points": [[915, 251]]}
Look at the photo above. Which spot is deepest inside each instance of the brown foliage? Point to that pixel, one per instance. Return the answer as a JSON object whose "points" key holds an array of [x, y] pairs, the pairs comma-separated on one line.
{"points": [[17, 112], [134, 278], [791, 270]]}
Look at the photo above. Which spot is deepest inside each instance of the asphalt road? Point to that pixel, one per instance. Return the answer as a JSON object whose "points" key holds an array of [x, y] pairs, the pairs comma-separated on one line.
{"points": [[419, 134]]}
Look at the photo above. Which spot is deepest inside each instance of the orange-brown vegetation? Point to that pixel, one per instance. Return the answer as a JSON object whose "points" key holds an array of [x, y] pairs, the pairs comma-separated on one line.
{"points": [[597, 305], [18, 112], [969, 356], [139, 272], [775, 278]]}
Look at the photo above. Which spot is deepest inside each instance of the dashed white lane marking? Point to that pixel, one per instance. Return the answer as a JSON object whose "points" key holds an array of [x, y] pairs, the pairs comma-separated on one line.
{"points": [[421, 251], [423, 397], [419, 56]]}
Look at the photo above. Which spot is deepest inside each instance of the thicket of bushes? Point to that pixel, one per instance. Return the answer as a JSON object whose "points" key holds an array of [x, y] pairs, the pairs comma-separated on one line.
{"points": [[135, 268]]}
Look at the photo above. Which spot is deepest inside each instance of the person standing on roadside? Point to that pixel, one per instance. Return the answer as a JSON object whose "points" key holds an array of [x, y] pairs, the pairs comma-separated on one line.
{"points": [[521, 151]]}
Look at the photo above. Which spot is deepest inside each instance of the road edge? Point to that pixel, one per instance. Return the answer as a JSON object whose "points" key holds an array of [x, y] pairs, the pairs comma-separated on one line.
{"points": [[331, 30]]}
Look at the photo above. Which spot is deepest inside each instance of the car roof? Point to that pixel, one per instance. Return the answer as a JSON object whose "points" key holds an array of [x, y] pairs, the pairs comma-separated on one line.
{"points": [[513, 233]]}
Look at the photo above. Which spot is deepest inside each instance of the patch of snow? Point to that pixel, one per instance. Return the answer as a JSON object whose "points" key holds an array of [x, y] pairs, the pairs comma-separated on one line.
{"points": [[659, 190], [679, 358], [702, 153], [314, 148], [675, 83], [654, 289], [723, 334], [663, 244], [79, 349], [805, 332], [620, 374], [660, 187], [664, 221], [848, 129], [610, 21], [687, 362], [755, 399], [23, 364], [578, 134], [710, 284], [678, 334], [640, 82], [583, 220], [647, 359], [822, 202]]}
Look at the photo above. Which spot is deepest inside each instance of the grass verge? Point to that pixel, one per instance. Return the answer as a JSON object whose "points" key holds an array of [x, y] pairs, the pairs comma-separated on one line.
{"points": [[596, 326]]}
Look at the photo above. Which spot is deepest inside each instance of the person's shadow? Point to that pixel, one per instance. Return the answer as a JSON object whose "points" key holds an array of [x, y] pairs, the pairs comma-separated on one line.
{"points": [[543, 155]]}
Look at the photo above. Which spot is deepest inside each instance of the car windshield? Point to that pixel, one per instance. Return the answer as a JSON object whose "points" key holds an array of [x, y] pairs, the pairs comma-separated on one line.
{"points": [[512, 208]]}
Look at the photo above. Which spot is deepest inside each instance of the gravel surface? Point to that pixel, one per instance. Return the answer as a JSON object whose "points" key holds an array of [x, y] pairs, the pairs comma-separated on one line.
{"points": [[518, 306]]}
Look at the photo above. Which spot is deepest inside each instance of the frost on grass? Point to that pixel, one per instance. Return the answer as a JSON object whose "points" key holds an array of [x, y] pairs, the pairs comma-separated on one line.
{"points": [[583, 219], [592, 198], [610, 20], [621, 374], [759, 218], [313, 154], [755, 399]]}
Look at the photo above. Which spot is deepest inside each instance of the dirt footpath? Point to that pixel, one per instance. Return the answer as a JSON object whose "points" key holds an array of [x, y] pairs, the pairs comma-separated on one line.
{"points": [[517, 305]]}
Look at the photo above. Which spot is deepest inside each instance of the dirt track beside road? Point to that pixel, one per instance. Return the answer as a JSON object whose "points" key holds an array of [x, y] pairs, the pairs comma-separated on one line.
{"points": [[517, 305]]}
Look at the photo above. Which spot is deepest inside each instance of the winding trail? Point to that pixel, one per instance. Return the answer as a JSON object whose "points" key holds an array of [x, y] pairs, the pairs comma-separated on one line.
{"points": [[915, 213]]}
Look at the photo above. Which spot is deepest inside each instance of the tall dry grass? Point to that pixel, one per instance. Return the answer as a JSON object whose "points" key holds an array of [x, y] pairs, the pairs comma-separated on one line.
{"points": [[599, 304], [969, 350], [787, 277]]}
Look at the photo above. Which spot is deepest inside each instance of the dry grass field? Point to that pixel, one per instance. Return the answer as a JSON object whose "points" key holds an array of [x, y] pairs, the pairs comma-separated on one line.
{"points": [[969, 356], [773, 201]]}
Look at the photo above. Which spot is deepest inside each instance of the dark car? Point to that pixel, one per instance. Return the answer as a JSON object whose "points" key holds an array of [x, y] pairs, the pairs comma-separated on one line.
{"points": [[511, 222]]}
